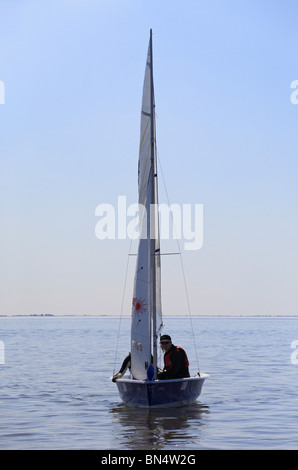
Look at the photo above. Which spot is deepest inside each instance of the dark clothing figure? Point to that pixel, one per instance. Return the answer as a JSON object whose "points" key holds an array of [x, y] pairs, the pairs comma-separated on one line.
{"points": [[126, 364], [175, 364]]}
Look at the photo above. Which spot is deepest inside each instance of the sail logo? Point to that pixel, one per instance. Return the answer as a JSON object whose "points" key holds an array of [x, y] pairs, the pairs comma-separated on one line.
{"points": [[176, 222], [139, 305], [2, 92]]}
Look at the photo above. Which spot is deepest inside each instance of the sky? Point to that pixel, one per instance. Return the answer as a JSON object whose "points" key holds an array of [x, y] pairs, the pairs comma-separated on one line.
{"points": [[71, 76]]}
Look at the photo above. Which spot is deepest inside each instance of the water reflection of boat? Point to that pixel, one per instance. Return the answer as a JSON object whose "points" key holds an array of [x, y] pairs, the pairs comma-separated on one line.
{"points": [[159, 428]]}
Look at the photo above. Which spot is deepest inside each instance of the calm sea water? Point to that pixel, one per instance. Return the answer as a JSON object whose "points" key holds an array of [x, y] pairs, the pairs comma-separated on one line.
{"points": [[55, 391]]}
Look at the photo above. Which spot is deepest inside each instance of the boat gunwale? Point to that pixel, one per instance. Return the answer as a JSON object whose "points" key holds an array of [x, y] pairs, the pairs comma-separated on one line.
{"points": [[158, 382]]}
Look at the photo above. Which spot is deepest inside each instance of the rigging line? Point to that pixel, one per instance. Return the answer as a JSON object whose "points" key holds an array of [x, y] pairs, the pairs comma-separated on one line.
{"points": [[122, 304], [181, 260], [189, 312]]}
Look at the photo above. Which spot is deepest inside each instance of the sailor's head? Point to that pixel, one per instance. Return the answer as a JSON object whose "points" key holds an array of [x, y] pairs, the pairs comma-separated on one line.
{"points": [[165, 342]]}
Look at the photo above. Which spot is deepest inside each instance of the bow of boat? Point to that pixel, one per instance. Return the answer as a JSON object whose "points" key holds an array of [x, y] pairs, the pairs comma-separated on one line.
{"points": [[160, 392]]}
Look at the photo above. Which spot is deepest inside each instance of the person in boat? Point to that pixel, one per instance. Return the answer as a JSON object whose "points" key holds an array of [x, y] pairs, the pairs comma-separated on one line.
{"points": [[175, 360], [125, 364]]}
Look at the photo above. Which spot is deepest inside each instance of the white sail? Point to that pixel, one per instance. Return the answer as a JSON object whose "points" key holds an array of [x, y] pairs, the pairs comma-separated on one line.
{"points": [[146, 297]]}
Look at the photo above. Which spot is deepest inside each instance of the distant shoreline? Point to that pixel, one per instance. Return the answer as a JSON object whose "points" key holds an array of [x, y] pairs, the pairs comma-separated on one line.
{"points": [[51, 315]]}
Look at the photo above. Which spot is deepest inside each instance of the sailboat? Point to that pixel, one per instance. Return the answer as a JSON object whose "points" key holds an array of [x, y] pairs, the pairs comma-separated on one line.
{"points": [[142, 387]]}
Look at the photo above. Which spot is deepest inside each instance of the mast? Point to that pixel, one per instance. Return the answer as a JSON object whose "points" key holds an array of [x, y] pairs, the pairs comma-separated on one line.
{"points": [[153, 208]]}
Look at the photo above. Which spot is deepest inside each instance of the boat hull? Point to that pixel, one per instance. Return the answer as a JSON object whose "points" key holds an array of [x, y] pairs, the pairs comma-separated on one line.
{"points": [[160, 393]]}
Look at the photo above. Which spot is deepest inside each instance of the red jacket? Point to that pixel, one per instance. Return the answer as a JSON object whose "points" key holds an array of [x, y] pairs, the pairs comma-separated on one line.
{"points": [[175, 364]]}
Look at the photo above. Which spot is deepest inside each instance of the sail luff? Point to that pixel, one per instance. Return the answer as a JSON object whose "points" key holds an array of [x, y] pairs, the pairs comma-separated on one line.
{"points": [[154, 206]]}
